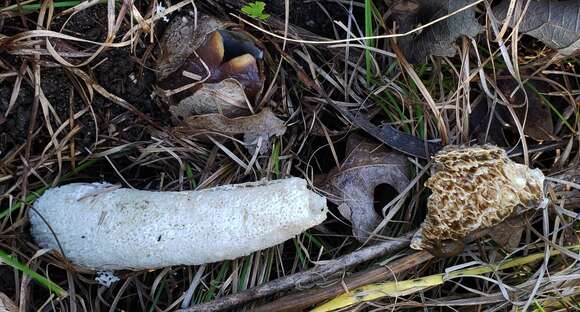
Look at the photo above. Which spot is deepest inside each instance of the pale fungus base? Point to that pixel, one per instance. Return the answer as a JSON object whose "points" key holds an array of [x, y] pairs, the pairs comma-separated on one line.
{"points": [[103, 227], [474, 188]]}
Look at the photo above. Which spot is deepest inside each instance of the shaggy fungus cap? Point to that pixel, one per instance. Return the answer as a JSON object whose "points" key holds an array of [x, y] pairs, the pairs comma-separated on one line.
{"points": [[474, 188]]}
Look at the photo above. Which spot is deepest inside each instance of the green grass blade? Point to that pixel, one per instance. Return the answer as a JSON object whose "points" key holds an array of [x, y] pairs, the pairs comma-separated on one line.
{"points": [[13, 262], [276, 158], [36, 6], [190, 178], [368, 33]]}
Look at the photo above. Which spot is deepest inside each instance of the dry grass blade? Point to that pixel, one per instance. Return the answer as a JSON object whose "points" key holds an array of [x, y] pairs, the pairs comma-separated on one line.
{"points": [[82, 99]]}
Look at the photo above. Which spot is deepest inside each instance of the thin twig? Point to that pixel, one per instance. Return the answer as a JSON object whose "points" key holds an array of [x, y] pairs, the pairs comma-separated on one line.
{"points": [[304, 299], [315, 274]]}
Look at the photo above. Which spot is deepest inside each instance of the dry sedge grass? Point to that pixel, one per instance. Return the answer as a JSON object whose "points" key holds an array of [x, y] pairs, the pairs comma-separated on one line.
{"points": [[93, 129]]}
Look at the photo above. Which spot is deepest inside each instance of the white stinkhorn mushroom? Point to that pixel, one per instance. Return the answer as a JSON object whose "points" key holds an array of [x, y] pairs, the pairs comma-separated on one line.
{"points": [[103, 227]]}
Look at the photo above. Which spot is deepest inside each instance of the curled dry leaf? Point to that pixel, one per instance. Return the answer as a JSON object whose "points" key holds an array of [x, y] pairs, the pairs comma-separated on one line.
{"points": [[262, 125], [484, 126], [366, 166], [555, 23], [208, 68], [538, 120], [439, 38], [225, 97], [474, 188]]}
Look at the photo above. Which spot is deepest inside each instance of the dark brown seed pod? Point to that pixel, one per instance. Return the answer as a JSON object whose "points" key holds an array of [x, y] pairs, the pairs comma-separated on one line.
{"points": [[198, 59]]}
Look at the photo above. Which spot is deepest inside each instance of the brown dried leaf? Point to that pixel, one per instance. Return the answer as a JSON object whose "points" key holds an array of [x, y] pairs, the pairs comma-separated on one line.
{"points": [[225, 97], [555, 23], [367, 165], [263, 122], [439, 38], [538, 120], [262, 125], [507, 235], [484, 126]]}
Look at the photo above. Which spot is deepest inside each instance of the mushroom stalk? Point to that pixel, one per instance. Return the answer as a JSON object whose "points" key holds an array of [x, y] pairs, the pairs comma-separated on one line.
{"points": [[103, 227]]}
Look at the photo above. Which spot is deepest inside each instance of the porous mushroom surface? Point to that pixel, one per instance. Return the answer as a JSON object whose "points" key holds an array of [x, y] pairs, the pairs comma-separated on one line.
{"points": [[474, 188], [103, 227]]}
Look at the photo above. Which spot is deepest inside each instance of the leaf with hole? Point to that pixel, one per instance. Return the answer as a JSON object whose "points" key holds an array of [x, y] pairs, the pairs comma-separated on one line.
{"points": [[367, 166]]}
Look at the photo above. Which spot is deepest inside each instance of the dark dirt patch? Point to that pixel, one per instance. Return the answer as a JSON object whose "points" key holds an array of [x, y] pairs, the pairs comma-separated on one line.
{"points": [[7, 285], [315, 16], [118, 71]]}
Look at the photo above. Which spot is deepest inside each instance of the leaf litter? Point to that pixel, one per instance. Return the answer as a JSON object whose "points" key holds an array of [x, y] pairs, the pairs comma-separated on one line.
{"points": [[255, 128], [352, 185], [555, 23], [438, 39], [167, 148]]}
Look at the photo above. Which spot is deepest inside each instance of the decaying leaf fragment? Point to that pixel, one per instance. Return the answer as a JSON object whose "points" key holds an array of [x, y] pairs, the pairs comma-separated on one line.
{"points": [[225, 97], [494, 123], [555, 23], [367, 165], [474, 188], [262, 125], [438, 39]]}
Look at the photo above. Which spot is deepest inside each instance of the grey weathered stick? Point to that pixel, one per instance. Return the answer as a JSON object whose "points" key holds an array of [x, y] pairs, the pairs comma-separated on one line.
{"points": [[303, 299], [317, 273]]}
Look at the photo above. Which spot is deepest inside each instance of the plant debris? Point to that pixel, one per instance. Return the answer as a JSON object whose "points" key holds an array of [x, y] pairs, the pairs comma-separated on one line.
{"points": [[474, 188], [259, 127], [555, 23], [367, 165], [226, 97], [535, 116], [439, 38]]}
